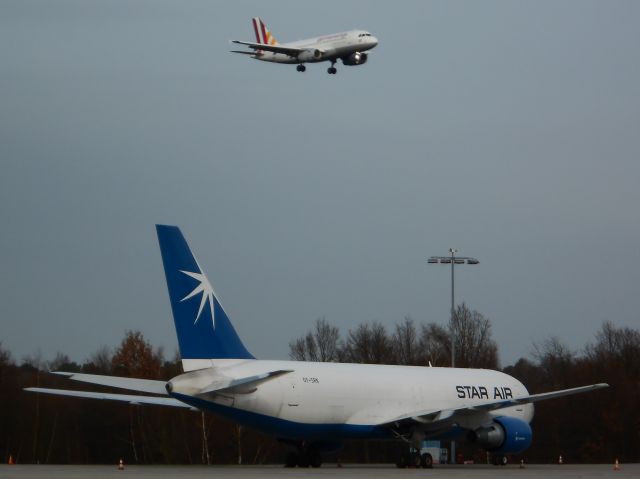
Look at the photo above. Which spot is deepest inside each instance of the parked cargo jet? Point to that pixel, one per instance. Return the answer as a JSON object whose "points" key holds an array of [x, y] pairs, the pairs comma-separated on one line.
{"points": [[350, 47], [314, 406]]}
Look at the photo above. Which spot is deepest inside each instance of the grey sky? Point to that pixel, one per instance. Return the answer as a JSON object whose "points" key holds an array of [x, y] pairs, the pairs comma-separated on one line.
{"points": [[509, 130]]}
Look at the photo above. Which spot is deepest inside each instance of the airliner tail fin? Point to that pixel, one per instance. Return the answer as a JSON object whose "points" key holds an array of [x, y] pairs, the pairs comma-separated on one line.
{"points": [[263, 35], [203, 328]]}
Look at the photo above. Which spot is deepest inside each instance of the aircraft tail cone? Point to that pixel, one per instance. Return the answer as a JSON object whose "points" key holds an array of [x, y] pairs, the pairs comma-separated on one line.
{"points": [[616, 465]]}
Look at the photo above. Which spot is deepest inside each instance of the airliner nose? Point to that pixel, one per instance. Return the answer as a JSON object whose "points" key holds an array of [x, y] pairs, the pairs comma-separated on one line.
{"points": [[374, 41]]}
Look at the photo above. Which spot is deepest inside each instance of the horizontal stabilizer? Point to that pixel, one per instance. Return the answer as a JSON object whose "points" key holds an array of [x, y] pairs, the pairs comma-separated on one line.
{"points": [[291, 51], [141, 385], [241, 385], [130, 398]]}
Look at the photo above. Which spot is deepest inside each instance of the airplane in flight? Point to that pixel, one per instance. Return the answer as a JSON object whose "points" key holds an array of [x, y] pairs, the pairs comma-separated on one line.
{"points": [[350, 47], [314, 406]]}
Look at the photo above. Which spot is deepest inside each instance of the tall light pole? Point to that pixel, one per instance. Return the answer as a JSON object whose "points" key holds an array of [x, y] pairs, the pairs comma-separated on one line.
{"points": [[453, 260]]}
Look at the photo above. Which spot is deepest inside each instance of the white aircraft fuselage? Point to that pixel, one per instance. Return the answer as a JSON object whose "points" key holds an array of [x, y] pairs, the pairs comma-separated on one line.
{"points": [[322, 49], [339, 400]]}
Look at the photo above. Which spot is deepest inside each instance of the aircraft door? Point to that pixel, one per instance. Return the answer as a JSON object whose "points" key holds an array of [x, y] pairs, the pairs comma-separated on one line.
{"points": [[294, 392]]}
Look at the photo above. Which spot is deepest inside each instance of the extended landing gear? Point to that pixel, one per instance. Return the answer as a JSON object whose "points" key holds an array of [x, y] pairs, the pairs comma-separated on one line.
{"points": [[499, 460], [332, 69], [414, 459], [303, 458], [301, 68]]}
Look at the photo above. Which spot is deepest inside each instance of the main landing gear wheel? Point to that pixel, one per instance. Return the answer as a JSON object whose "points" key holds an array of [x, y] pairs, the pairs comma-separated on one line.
{"points": [[426, 461], [332, 70], [414, 460], [500, 460], [301, 68]]}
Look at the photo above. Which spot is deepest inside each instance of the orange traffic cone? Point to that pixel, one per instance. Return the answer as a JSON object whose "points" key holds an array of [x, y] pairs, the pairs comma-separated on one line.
{"points": [[560, 460], [616, 465], [121, 465], [11, 460]]}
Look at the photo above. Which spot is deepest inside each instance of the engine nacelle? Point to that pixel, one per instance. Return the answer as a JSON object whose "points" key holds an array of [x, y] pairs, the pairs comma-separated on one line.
{"points": [[507, 435], [310, 55], [356, 58]]}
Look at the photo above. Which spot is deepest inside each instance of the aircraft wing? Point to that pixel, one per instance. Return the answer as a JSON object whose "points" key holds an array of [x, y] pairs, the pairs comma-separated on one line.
{"points": [[130, 398], [433, 417], [141, 385], [294, 52]]}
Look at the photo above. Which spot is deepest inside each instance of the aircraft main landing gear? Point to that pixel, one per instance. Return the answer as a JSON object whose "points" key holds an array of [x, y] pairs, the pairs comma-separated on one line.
{"points": [[332, 69], [499, 460], [414, 459], [301, 68]]}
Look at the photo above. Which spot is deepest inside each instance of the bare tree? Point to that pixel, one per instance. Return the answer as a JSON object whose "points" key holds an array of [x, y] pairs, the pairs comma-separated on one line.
{"points": [[100, 361], [555, 360], [405, 342], [368, 343], [434, 345], [323, 344], [5, 356], [61, 362], [620, 345], [472, 333], [327, 341]]}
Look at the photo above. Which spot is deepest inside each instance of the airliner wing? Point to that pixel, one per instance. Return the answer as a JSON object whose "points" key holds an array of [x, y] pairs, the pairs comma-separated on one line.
{"points": [[294, 52], [141, 385], [437, 416], [130, 398]]}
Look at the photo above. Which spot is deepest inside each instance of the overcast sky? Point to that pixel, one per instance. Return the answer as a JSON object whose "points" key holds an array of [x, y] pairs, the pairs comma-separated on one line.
{"points": [[509, 130]]}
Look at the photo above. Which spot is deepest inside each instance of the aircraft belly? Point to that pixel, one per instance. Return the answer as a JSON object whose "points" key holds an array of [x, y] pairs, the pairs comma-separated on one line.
{"points": [[275, 57]]}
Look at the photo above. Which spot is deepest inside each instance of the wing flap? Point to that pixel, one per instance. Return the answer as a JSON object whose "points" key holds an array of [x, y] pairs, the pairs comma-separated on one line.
{"points": [[129, 398], [141, 385]]}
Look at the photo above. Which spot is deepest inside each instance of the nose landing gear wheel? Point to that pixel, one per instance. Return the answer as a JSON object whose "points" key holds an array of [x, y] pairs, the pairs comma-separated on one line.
{"points": [[332, 70], [301, 68]]}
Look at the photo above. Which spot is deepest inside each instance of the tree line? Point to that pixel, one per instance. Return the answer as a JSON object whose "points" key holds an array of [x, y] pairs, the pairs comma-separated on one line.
{"points": [[408, 344], [594, 427]]}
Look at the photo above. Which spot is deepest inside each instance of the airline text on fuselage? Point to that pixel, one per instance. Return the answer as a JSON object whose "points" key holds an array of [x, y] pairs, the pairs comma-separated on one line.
{"points": [[481, 392]]}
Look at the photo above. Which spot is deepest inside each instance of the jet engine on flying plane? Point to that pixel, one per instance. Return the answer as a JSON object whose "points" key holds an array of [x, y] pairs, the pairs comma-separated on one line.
{"points": [[310, 55], [505, 435], [356, 58]]}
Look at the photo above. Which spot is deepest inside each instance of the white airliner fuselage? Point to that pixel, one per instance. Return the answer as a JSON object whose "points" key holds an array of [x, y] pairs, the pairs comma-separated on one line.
{"points": [[354, 398]]}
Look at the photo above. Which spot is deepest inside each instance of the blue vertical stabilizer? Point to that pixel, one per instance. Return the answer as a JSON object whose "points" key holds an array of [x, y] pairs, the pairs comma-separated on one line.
{"points": [[203, 328]]}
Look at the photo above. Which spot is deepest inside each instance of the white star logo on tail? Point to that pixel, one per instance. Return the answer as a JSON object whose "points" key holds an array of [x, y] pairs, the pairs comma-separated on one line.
{"points": [[207, 294]]}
